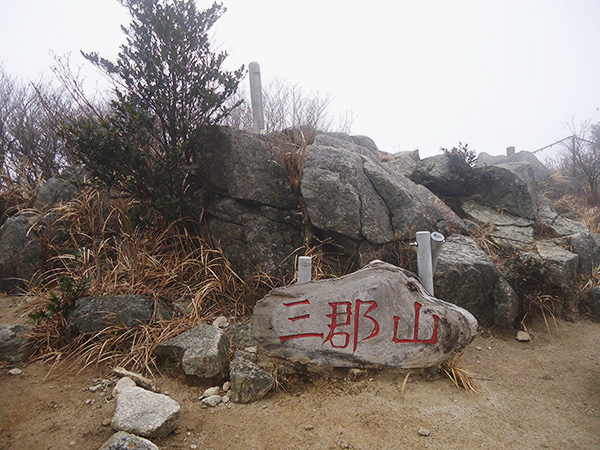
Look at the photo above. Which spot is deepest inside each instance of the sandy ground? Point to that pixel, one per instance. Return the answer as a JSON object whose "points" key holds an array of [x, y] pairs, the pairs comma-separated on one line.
{"points": [[542, 394]]}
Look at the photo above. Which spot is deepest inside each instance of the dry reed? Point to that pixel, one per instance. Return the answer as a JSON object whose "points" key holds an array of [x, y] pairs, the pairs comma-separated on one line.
{"points": [[91, 240]]}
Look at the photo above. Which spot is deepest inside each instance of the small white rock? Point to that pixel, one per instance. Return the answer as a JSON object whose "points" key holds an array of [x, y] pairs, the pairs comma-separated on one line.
{"points": [[193, 446], [15, 371], [522, 336], [213, 400], [220, 322], [424, 432], [226, 398], [227, 386], [210, 392], [251, 349]]}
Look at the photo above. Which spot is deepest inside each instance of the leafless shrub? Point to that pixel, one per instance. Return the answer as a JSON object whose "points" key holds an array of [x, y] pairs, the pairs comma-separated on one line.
{"points": [[287, 106], [31, 145], [580, 156]]}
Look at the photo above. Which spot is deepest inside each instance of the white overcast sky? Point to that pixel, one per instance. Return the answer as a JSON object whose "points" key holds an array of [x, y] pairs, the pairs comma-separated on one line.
{"points": [[418, 74]]}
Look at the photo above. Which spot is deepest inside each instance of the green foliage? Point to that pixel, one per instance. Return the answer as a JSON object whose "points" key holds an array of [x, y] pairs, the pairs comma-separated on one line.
{"points": [[462, 157], [461, 161], [170, 93], [62, 303]]}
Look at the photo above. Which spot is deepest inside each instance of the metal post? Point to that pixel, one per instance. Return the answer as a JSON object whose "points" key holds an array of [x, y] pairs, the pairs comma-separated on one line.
{"points": [[258, 117], [304, 269], [437, 240], [424, 260]]}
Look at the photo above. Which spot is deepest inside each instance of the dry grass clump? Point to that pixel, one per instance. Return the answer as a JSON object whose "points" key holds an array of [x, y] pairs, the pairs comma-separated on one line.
{"points": [[541, 303], [461, 377], [15, 196], [92, 242], [482, 237]]}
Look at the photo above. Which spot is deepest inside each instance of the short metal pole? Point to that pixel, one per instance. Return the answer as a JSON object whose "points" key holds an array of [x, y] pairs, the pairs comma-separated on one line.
{"points": [[424, 264], [258, 117], [304, 269], [437, 240]]}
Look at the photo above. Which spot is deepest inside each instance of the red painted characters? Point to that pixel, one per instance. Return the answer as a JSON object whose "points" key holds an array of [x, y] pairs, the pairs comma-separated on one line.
{"points": [[348, 321]]}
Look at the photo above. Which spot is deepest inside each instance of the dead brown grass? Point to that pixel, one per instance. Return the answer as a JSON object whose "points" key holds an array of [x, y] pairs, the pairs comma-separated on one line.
{"points": [[461, 377], [92, 240]]}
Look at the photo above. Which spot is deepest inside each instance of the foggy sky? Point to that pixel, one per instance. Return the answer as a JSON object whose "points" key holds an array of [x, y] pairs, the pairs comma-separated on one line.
{"points": [[417, 74]]}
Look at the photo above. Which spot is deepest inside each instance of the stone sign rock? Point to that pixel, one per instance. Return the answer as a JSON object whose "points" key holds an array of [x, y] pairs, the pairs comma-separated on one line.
{"points": [[379, 316]]}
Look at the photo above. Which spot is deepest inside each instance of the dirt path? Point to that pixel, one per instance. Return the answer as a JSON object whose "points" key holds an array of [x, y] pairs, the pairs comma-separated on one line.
{"points": [[542, 394]]}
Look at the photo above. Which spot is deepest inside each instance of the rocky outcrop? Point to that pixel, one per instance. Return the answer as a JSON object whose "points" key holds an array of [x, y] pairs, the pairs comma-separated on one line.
{"points": [[593, 303], [525, 164], [202, 351], [509, 232], [587, 247], [560, 264], [60, 188], [92, 314], [348, 195], [21, 254], [555, 224], [495, 186], [502, 188], [21, 250], [466, 277], [403, 163], [15, 342]]}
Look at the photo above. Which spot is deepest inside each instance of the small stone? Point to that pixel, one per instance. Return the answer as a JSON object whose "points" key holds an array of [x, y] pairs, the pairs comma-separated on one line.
{"points": [[522, 336], [226, 399], [478, 348], [95, 388], [15, 371], [309, 427], [122, 440], [357, 374], [210, 392], [106, 422], [72, 443], [145, 413], [220, 322], [193, 446], [251, 349], [489, 348], [213, 400], [248, 381], [227, 386], [202, 351], [343, 444], [424, 432], [89, 401]]}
